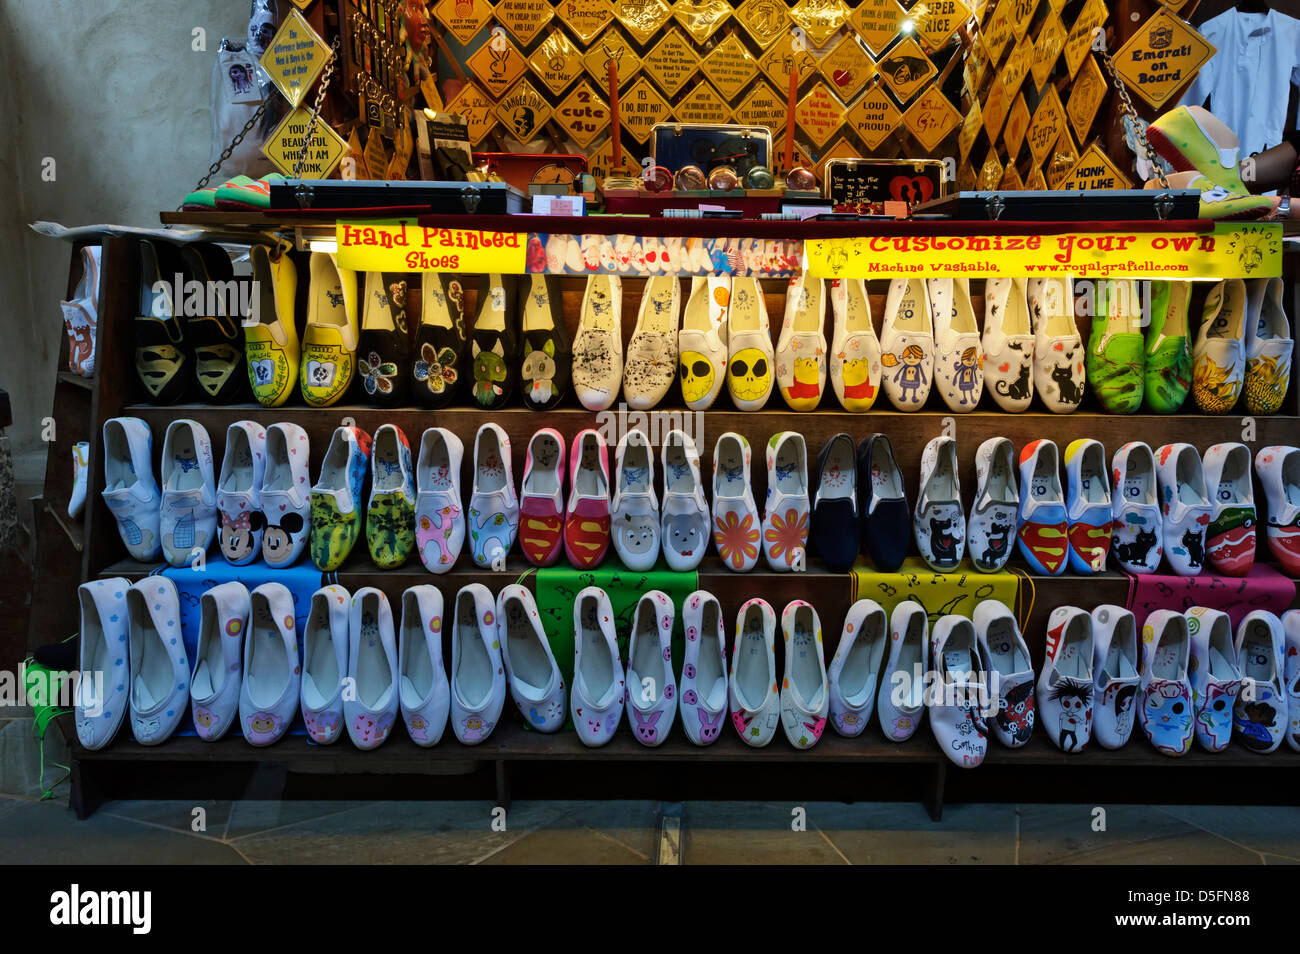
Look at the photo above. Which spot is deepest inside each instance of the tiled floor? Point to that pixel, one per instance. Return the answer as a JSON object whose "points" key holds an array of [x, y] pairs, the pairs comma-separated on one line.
{"points": [[615, 832]]}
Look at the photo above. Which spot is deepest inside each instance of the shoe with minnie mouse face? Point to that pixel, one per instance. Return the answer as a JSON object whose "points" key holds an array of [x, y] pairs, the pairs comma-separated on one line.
{"points": [[651, 686], [239, 493], [336, 498]]}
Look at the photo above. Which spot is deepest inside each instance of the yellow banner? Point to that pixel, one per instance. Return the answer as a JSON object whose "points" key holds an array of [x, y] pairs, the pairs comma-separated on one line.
{"points": [[404, 246], [1251, 250]]}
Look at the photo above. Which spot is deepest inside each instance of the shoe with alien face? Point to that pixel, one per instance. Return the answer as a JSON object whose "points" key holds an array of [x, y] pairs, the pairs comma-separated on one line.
{"points": [[1214, 675]]}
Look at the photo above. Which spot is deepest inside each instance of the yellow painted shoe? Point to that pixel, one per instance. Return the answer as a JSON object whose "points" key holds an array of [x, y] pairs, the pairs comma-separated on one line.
{"points": [[270, 338], [329, 342], [1218, 202], [855, 350], [801, 348], [1268, 346], [1219, 358], [1193, 138]]}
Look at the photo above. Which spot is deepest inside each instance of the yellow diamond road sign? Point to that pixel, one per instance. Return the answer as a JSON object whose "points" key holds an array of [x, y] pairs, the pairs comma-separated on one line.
{"points": [[586, 18], [1161, 57], [762, 106], [1047, 125], [906, 69], [931, 118], [475, 108], [939, 20], [730, 66], [701, 17], [1094, 170], [877, 22], [524, 18], [874, 117], [524, 111], [1085, 98], [848, 68], [642, 18], [295, 58], [640, 107], [497, 64], [820, 18], [764, 20], [583, 114], [672, 62], [703, 105], [556, 62], [613, 47], [284, 146], [463, 18], [819, 114]]}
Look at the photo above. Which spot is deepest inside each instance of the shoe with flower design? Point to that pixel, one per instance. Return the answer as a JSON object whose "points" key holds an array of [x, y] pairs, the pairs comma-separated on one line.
{"points": [[596, 702], [101, 700], [1219, 358], [754, 692], [160, 671], [218, 659], [336, 501], [854, 672], [270, 334], [541, 499], [684, 530], [651, 362], [329, 342], [478, 681], [425, 693], [598, 343], [390, 512], [371, 709], [801, 347], [271, 691], [493, 506], [805, 694], [325, 663], [439, 363], [587, 520], [651, 686], [384, 348], [239, 493], [736, 523], [547, 360], [901, 700], [704, 668], [786, 511], [439, 514]]}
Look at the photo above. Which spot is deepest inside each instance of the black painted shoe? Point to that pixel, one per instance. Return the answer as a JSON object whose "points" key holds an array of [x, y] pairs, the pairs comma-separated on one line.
{"points": [[547, 359], [440, 360], [882, 504], [217, 339], [495, 348], [384, 348], [162, 359], [835, 531]]}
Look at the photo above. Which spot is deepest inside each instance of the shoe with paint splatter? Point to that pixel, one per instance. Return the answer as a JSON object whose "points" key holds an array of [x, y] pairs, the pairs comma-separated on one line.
{"points": [[1114, 360], [1168, 375]]}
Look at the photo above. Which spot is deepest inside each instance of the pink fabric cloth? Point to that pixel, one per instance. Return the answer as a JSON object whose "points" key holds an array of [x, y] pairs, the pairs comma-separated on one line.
{"points": [[1263, 588]]}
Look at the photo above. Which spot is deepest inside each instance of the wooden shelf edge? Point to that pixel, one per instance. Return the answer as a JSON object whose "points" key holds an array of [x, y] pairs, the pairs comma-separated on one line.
{"points": [[76, 380], [75, 532]]}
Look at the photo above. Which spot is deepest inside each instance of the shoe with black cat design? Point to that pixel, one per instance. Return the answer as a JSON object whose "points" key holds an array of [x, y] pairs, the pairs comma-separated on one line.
{"points": [[1008, 344], [991, 529], [439, 363], [495, 347], [217, 339], [1186, 510], [162, 356], [547, 359], [1058, 348], [1136, 529], [384, 348], [939, 524]]}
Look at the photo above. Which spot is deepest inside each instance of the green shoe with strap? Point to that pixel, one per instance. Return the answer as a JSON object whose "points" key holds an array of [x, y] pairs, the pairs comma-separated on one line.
{"points": [[1168, 348], [1114, 359]]}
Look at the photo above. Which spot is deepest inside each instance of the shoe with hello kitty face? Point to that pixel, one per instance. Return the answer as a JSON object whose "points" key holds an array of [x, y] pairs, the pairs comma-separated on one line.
{"points": [[651, 686], [531, 671], [684, 526], [103, 671], [596, 701], [478, 682], [271, 691], [901, 700], [1167, 715], [325, 663], [1065, 684], [372, 665], [755, 696], [425, 693], [160, 671], [704, 668], [218, 660], [805, 695]]}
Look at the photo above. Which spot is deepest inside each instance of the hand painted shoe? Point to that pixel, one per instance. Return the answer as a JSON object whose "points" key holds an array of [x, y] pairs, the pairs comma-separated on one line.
{"points": [[238, 193], [750, 360], [835, 504], [587, 517], [424, 692], [651, 361], [1291, 671], [1192, 138], [1168, 357], [1184, 508], [1216, 202], [785, 517], [684, 527], [1215, 678], [907, 344], [801, 348], [218, 660], [1116, 682], [371, 709], [130, 492], [493, 507], [956, 714], [329, 342], [441, 363], [439, 516], [958, 354], [270, 334], [104, 672], [531, 671], [239, 499], [81, 314], [1279, 474], [702, 342], [991, 527], [1044, 525], [855, 350], [478, 683], [285, 497], [634, 527], [1230, 536], [188, 519], [704, 668], [215, 338], [1167, 715], [901, 700], [495, 346], [541, 499], [1268, 346], [805, 694], [736, 523], [651, 688], [1008, 344], [336, 498], [1136, 525], [160, 671], [1219, 359], [272, 686], [163, 362], [205, 200], [325, 663], [1058, 348], [1116, 350], [1260, 716], [755, 699], [390, 513], [383, 347], [1065, 684], [598, 343], [1087, 505], [855, 670], [80, 468], [886, 520], [1004, 650], [939, 523], [596, 702]]}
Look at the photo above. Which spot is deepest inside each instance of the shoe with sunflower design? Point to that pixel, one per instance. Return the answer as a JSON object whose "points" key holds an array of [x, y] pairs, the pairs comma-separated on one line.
{"points": [[384, 350], [547, 360], [736, 521], [390, 515], [336, 498], [1168, 349], [270, 335], [1268, 346], [1114, 359], [1219, 359], [495, 346], [439, 363], [329, 342], [785, 522]]}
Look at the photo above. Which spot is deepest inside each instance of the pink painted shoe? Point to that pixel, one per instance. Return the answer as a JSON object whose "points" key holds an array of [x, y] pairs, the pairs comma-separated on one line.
{"points": [[586, 526]]}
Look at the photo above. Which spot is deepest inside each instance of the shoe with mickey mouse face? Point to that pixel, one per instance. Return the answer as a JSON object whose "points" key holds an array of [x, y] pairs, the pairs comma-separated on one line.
{"points": [[286, 495], [160, 670], [218, 660], [425, 692], [271, 691], [101, 690], [634, 526], [651, 687], [596, 702], [370, 712], [239, 500]]}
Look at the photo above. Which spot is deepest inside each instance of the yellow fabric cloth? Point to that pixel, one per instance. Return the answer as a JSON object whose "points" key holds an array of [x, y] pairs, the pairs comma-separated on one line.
{"points": [[940, 593]]}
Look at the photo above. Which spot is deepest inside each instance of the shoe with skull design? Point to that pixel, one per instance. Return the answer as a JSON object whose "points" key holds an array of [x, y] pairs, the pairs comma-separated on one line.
{"points": [[702, 342], [749, 346]]}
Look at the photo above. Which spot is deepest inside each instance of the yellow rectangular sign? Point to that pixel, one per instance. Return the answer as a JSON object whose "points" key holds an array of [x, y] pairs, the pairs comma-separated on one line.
{"points": [[404, 246], [1229, 251]]}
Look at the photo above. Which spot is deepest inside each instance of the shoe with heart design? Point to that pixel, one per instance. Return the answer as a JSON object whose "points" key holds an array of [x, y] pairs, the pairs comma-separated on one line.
{"points": [[1044, 521], [855, 356], [1058, 348], [835, 520], [329, 342], [532, 674], [736, 522], [634, 526], [958, 354], [704, 668], [907, 344], [285, 497], [1279, 474], [440, 363], [1219, 358], [215, 338], [801, 347], [1261, 714], [425, 693], [478, 682], [1230, 536], [1291, 671], [130, 492], [855, 669], [271, 690], [786, 509], [239, 493], [1185, 509], [103, 669], [651, 687], [390, 512], [271, 347], [805, 694], [1214, 675], [1004, 651], [596, 702], [598, 343], [80, 470], [1116, 683], [439, 514], [900, 703], [384, 345], [188, 516], [749, 346], [325, 644], [370, 711], [684, 522], [651, 362], [702, 342], [493, 518], [957, 704], [541, 499], [1115, 361], [1167, 714], [587, 517], [886, 519], [1087, 505], [938, 522], [336, 502], [160, 671], [1065, 684], [1168, 357], [1137, 529], [1008, 344], [754, 694], [218, 659], [1268, 346], [163, 362], [991, 527]]}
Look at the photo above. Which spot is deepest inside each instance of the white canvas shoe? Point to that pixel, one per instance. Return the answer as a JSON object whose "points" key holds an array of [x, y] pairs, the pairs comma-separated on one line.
{"points": [[749, 346], [80, 468], [736, 524], [684, 526], [1279, 474], [325, 663], [855, 350], [1117, 685], [652, 350], [271, 689], [786, 513], [651, 687], [188, 520], [239, 493], [907, 344], [1167, 715], [1136, 525], [1213, 672], [598, 343], [531, 671], [957, 702], [285, 495], [372, 665], [1066, 681], [634, 527], [478, 682], [104, 672], [856, 667], [991, 527], [1058, 347], [424, 691], [704, 668], [1185, 508], [130, 491], [702, 342], [218, 660], [1044, 526], [801, 347], [1005, 652], [439, 513], [1008, 344], [1261, 713], [938, 522], [958, 354], [493, 506], [805, 694], [901, 698], [1268, 346], [1291, 672], [755, 699], [160, 671], [1088, 501], [1230, 537], [596, 702]]}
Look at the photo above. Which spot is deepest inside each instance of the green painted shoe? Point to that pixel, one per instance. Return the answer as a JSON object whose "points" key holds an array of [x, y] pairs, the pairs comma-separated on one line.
{"points": [[1114, 360], [206, 199], [390, 529], [1191, 137], [1168, 348], [333, 533]]}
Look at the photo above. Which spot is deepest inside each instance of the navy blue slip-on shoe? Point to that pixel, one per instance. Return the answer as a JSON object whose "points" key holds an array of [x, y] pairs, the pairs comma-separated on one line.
{"points": [[882, 504], [835, 533]]}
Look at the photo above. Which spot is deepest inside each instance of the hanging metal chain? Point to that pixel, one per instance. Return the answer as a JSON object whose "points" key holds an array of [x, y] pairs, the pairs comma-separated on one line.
{"points": [[1139, 128], [229, 150], [316, 108]]}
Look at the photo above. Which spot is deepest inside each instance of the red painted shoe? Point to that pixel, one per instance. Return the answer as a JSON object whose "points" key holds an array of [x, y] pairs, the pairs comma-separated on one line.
{"points": [[541, 499], [586, 526]]}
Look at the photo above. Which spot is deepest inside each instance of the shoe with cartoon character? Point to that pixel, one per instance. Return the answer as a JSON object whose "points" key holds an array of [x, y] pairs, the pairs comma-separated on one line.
{"points": [[1087, 505], [384, 349], [531, 671], [785, 517], [801, 348], [239, 493], [702, 342], [598, 343], [1044, 525], [325, 663], [329, 342], [425, 693], [1268, 346], [1004, 650], [270, 333], [541, 499], [547, 360], [684, 526], [900, 703], [1065, 684], [1116, 683], [1219, 359], [991, 527], [634, 527], [1230, 536], [439, 514], [164, 360], [493, 506], [336, 498], [1184, 508], [587, 517], [478, 682], [938, 523], [805, 694], [1261, 713], [1291, 671], [1058, 348], [651, 686], [188, 518], [390, 514], [286, 495], [907, 344], [218, 660], [855, 669], [272, 688], [651, 362], [755, 698], [596, 702], [370, 711], [160, 671], [1008, 344], [749, 346], [130, 492], [736, 524], [1214, 675], [855, 365], [704, 668], [104, 672], [1279, 473], [1167, 713], [958, 354], [1136, 525], [956, 716]]}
